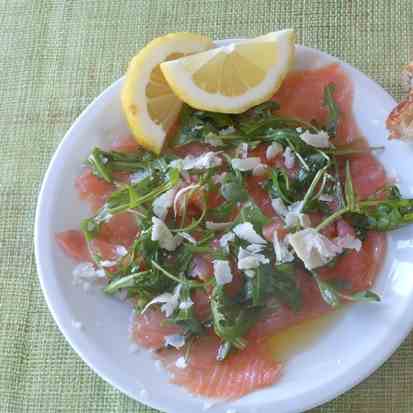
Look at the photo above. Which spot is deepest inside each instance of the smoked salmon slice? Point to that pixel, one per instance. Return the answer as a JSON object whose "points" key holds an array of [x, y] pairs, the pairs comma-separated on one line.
{"points": [[241, 373], [302, 93], [150, 328]]}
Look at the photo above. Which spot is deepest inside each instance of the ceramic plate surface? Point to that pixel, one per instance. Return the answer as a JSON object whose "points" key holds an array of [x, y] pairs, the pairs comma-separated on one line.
{"points": [[350, 350]]}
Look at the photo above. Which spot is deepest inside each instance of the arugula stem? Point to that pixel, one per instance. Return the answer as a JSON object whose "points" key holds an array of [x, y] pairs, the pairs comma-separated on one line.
{"points": [[332, 218], [298, 155], [312, 187], [124, 282], [189, 283]]}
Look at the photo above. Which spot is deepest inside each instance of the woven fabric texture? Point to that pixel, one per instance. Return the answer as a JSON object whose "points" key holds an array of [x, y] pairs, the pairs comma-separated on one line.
{"points": [[55, 57]]}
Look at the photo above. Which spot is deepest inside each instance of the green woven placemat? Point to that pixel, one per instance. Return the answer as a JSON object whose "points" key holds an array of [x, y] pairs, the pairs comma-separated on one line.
{"points": [[55, 57]]}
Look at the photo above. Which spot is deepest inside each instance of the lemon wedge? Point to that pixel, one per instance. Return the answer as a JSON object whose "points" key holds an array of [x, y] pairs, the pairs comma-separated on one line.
{"points": [[235, 77], [150, 106]]}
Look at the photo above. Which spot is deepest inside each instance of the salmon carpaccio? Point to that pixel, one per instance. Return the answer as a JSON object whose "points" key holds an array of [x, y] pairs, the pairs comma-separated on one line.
{"points": [[301, 96]]}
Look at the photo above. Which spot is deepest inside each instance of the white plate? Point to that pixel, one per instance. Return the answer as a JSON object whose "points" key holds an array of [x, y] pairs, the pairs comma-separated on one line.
{"points": [[357, 344]]}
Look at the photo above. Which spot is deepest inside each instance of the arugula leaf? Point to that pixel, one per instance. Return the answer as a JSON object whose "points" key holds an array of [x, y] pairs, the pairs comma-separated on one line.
{"points": [[222, 212], [233, 189], [316, 162], [219, 120], [350, 196], [126, 281], [271, 281], [333, 296], [367, 295], [284, 285], [186, 317], [258, 291], [328, 292], [197, 125], [104, 163], [281, 187], [97, 162], [231, 321], [384, 215], [332, 107], [128, 197], [251, 213]]}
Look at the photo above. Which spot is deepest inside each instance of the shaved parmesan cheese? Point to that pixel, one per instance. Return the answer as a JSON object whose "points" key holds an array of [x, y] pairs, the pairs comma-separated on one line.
{"points": [[108, 263], [184, 305], [204, 161], [289, 158], [138, 176], [295, 218], [249, 273], [225, 239], [162, 234], [247, 232], [121, 251], [313, 248], [248, 260], [279, 207], [181, 362], [100, 273], [273, 150], [162, 203], [175, 340], [169, 301], [222, 272], [83, 271], [318, 140], [260, 170], [282, 254], [348, 242], [254, 248], [217, 226], [247, 164]]}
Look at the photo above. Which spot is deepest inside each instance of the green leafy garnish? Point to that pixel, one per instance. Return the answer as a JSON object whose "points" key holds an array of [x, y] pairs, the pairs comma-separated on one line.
{"points": [[332, 107], [334, 297], [231, 321]]}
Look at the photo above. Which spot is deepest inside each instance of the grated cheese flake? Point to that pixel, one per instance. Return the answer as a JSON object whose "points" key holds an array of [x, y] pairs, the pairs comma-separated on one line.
{"points": [[222, 272], [289, 158], [247, 164], [163, 202], [175, 340], [217, 226], [181, 363], [273, 150], [313, 248], [247, 232], [169, 301], [282, 253], [162, 234], [205, 161], [318, 139], [225, 240]]}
